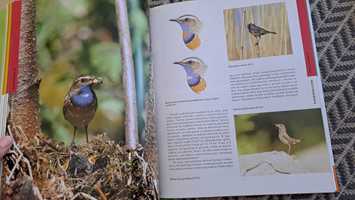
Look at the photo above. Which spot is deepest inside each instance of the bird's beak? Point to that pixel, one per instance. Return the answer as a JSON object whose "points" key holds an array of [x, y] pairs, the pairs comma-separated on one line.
{"points": [[178, 63], [175, 20], [97, 81]]}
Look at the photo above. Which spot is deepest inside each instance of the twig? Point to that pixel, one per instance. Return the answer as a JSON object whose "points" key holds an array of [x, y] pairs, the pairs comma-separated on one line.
{"points": [[129, 181], [20, 131], [131, 126], [19, 158], [8, 178], [155, 182], [87, 196], [98, 189], [145, 165], [270, 164]]}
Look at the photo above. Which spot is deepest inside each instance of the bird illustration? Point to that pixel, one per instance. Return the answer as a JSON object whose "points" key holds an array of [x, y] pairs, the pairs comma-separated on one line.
{"points": [[80, 103], [195, 69], [285, 138], [258, 31], [191, 27]]}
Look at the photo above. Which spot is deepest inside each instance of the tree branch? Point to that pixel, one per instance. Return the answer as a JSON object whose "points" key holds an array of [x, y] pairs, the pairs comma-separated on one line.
{"points": [[131, 131]]}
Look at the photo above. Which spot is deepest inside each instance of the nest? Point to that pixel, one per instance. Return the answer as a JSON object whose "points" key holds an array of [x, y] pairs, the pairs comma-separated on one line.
{"points": [[40, 168]]}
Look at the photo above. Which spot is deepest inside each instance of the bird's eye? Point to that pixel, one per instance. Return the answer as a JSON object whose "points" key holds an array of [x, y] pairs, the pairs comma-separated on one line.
{"points": [[189, 62]]}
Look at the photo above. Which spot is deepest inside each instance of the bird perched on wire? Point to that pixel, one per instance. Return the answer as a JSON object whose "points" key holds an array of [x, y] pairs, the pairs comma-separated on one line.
{"points": [[285, 138], [191, 27], [80, 103], [195, 69], [258, 31]]}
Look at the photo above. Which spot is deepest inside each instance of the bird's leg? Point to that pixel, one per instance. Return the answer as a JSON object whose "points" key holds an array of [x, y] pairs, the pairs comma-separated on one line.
{"points": [[73, 140], [257, 41], [87, 136], [289, 149]]}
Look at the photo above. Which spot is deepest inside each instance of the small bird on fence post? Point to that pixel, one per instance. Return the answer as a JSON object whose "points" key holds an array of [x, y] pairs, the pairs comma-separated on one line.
{"points": [[80, 103], [191, 27], [285, 138], [258, 31]]}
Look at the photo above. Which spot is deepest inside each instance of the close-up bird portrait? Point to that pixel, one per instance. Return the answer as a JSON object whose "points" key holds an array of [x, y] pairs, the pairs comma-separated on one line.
{"points": [[190, 27], [194, 68], [80, 103], [73, 61]]}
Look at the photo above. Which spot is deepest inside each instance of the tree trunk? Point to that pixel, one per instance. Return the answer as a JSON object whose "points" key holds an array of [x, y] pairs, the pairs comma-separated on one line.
{"points": [[24, 104]]}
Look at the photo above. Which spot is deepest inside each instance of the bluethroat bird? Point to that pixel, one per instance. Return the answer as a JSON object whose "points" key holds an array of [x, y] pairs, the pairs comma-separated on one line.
{"points": [[80, 103], [195, 69], [191, 27], [258, 31], [285, 138]]}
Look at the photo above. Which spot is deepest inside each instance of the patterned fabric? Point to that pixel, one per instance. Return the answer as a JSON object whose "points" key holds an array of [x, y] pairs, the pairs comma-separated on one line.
{"points": [[334, 24]]}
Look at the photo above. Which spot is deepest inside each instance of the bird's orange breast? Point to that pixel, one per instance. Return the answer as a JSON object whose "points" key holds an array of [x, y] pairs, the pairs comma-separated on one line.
{"points": [[201, 86], [194, 43]]}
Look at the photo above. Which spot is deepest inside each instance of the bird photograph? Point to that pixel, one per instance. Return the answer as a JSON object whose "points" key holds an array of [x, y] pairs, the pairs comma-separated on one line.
{"points": [[81, 46], [190, 26], [290, 140], [285, 138], [257, 31], [195, 69], [80, 103]]}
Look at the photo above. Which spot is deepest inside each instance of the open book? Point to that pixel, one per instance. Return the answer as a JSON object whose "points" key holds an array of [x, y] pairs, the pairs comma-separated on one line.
{"points": [[239, 99]]}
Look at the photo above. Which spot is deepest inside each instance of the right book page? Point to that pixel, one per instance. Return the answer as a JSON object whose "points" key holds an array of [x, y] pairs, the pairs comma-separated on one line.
{"points": [[240, 107]]}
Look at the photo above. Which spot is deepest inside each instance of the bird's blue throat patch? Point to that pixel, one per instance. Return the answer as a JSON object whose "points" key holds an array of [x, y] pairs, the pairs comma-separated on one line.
{"points": [[84, 98], [192, 77]]}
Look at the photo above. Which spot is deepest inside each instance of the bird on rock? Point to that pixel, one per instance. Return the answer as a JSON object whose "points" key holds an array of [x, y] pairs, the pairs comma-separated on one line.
{"points": [[80, 103], [191, 27], [195, 69], [285, 138]]}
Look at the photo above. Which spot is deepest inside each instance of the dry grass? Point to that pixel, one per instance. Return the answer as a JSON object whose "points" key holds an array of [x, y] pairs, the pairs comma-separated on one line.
{"points": [[39, 168], [242, 45]]}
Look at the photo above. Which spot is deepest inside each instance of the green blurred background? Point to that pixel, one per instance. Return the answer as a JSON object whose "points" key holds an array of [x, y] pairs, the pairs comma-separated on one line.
{"points": [[256, 132], [81, 37]]}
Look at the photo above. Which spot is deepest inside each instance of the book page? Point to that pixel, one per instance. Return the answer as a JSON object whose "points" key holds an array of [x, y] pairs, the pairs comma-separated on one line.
{"points": [[239, 100]]}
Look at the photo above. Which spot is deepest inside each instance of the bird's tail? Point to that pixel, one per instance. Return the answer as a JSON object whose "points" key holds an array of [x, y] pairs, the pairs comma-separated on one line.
{"points": [[272, 32], [295, 141]]}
